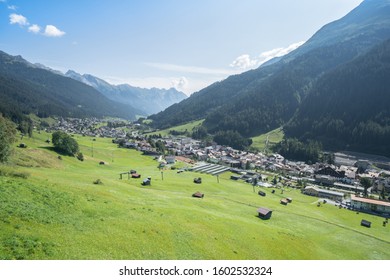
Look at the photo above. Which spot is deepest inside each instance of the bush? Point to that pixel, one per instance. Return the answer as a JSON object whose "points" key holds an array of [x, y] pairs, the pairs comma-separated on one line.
{"points": [[80, 156], [98, 182]]}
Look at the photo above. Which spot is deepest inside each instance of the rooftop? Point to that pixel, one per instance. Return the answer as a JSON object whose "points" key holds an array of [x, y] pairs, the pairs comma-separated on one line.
{"points": [[370, 200]]}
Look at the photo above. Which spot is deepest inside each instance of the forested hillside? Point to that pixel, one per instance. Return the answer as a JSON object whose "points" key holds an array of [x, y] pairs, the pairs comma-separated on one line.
{"points": [[260, 100], [25, 88], [349, 107]]}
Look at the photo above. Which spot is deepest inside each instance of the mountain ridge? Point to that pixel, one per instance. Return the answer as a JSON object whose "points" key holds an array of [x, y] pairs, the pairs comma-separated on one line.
{"points": [[150, 101], [263, 99]]}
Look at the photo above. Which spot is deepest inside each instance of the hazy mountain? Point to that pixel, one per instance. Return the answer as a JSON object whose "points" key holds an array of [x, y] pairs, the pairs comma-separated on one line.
{"points": [[150, 101], [260, 100], [27, 88]]}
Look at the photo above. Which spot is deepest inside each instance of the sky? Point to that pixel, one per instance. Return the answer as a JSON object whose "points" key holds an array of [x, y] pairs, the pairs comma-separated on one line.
{"points": [[186, 44]]}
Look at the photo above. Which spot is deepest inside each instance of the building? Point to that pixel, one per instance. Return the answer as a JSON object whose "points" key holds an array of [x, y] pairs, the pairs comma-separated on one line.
{"points": [[318, 192], [370, 205], [264, 213]]}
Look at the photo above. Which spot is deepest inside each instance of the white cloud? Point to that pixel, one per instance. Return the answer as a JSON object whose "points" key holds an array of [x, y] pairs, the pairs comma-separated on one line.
{"points": [[12, 7], [180, 84], [244, 62], [35, 28], [278, 52], [52, 31], [18, 19]]}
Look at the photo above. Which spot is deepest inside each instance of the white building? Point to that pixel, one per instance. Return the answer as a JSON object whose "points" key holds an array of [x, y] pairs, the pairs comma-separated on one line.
{"points": [[370, 205]]}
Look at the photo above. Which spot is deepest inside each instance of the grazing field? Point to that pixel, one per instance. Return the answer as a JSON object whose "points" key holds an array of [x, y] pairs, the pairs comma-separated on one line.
{"points": [[50, 208], [265, 141], [180, 128]]}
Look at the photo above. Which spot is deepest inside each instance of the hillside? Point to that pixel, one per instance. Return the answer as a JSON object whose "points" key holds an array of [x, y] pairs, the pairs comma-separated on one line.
{"points": [[26, 88], [50, 209], [348, 108], [150, 101], [260, 100]]}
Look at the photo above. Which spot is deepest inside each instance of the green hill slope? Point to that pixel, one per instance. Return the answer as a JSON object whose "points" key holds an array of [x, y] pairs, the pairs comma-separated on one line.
{"points": [[58, 213]]}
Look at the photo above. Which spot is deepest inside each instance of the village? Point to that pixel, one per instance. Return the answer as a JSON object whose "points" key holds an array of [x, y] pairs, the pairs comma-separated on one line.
{"points": [[352, 181]]}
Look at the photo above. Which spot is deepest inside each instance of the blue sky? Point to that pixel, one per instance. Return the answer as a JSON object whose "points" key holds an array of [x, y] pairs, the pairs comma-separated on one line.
{"points": [[187, 44]]}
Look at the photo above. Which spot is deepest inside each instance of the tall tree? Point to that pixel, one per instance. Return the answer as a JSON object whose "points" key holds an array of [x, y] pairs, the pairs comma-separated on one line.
{"points": [[7, 137]]}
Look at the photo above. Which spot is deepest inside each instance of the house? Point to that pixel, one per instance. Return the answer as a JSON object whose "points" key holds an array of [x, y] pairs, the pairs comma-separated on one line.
{"points": [[370, 205], [314, 191], [170, 159], [325, 180], [331, 171], [264, 213]]}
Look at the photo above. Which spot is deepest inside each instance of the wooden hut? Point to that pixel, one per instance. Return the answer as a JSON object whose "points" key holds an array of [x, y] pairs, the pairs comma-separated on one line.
{"points": [[261, 193], [198, 180], [284, 201], [198, 195], [365, 223], [264, 213]]}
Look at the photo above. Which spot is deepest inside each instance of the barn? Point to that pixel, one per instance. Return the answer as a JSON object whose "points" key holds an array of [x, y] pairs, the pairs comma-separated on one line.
{"points": [[264, 213]]}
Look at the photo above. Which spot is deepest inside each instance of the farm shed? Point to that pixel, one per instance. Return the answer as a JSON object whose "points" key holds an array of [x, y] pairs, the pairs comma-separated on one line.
{"points": [[198, 195], [264, 213], [261, 193], [198, 180], [365, 223], [284, 201]]}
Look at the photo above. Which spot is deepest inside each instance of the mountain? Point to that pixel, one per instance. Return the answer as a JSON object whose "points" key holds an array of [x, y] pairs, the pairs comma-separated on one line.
{"points": [[265, 98], [150, 101], [349, 107], [27, 88]]}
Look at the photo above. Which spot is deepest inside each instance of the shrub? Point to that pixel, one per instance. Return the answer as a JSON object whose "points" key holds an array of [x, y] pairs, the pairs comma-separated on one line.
{"points": [[80, 156]]}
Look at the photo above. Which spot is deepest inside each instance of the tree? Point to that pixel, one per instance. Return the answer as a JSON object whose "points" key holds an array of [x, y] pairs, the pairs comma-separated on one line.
{"points": [[366, 184], [7, 137], [65, 143]]}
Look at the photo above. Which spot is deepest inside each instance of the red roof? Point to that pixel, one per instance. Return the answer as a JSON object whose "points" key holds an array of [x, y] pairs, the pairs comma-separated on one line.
{"points": [[370, 200]]}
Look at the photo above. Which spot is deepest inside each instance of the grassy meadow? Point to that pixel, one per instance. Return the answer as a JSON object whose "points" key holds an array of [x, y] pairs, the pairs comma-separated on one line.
{"points": [[273, 137], [180, 128], [51, 209]]}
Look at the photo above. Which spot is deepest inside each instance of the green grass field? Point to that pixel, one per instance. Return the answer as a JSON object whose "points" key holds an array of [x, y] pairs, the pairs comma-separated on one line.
{"points": [[181, 128], [58, 213], [275, 136]]}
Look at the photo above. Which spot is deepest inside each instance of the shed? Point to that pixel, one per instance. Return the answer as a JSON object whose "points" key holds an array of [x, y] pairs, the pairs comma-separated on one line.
{"points": [[146, 182], [264, 213], [198, 180], [261, 193], [198, 195], [135, 175], [284, 201], [365, 223]]}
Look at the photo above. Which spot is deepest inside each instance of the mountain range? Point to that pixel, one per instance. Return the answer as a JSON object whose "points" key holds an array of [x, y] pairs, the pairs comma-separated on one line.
{"points": [[150, 101], [331, 66]]}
